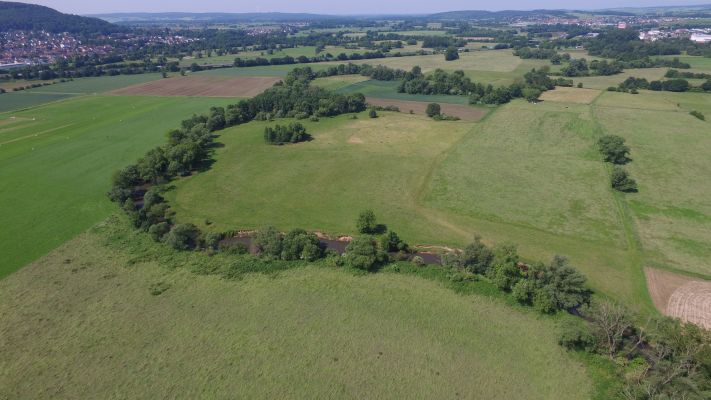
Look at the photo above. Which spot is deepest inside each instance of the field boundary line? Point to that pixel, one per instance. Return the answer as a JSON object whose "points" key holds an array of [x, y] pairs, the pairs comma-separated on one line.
{"points": [[35, 134]]}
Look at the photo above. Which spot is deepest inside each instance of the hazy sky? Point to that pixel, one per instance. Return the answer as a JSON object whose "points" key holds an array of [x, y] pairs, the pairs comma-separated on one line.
{"points": [[336, 6]]}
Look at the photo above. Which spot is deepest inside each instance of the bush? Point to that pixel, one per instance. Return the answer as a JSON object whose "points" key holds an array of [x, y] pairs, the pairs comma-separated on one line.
{"points": [[433, 109], [451, 54], [234, 248], [211, 240], [292, 133], [366, 222], [183, 236], [698, 115], [418, 261], [476, 257], [391, 242], [268, 242], [159, 230], [300, 245], [372, 113], [614, 149], [575, 335], [362, 253], [621, 181]]}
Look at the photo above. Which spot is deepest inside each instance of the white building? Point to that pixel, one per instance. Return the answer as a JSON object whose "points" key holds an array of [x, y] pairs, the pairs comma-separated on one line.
{"points": [[700, 38]]}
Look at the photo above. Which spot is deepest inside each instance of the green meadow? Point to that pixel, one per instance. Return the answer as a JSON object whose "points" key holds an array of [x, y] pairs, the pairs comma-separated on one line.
{"points": [[309, 332], [56, 161]]}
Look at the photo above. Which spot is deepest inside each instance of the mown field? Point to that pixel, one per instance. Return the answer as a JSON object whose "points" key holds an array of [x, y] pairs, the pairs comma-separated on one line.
{"points": [[82, 323], [56, 161], [63, 90]]}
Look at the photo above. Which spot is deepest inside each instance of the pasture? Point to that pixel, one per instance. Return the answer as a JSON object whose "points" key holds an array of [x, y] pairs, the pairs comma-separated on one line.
{"points": [[203, 85], [311, 332], [339, 81], [308, 51], [670, 150], [570, 95], [535, 179], [388, 90], [604, 82], [463, 112], [56, 161], [63, 90]]}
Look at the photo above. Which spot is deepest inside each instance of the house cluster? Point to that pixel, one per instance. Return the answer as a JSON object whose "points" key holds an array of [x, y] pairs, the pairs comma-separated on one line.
{"points": [[40, 47], [23, 48], [695, 35]]}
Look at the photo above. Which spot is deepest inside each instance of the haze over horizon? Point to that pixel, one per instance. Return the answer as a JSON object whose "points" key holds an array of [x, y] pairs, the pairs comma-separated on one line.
{"points": [[331, 7]]}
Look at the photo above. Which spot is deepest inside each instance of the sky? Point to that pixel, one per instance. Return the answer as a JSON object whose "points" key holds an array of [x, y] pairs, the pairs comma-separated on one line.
{"points": [[337, 6]]}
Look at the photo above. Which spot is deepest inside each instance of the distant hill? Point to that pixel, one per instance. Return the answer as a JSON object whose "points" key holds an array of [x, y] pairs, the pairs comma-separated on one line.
{"points": [[483, 14], [224, 18], [22, 16]]}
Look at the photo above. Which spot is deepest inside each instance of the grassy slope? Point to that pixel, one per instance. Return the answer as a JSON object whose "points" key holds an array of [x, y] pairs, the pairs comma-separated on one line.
{"points": [[535, 179], [81, 324], [56, 161], [670, 151], [351, 165]]}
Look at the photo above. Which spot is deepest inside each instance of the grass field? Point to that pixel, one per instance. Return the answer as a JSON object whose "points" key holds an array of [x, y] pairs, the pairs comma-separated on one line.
{"points": [[604, 82], [81, 324], [670, 150], [56, 161], [388, 90], [63, 90], [339, 81], [535, 179], [308, 51]]}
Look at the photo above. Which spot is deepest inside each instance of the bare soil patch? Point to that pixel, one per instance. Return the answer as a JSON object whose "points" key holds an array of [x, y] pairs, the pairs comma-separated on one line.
{"points": [[206, 86], [686, 298], [571, 95], [465, 113]]}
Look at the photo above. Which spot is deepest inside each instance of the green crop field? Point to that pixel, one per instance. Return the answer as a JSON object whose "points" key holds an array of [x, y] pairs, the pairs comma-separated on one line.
{"points": [[498, 67], [339, 81], [308, 51], [56, 161], [313, 332], [388, 90], [63, 90]]}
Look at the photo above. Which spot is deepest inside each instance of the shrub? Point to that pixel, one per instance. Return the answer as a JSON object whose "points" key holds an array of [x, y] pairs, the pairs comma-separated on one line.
{"points": [[613, 149], [372, 113], [575, 335], [300, 245], [504, 271], [698, 115], [476, 257], [621, 181], [211, 240], [418, 261], [292, 133], [159, 230], [362, 253], [580, 85], [233, 247], [451, 54], [433, 109], [268, 242], [391, 242], [182, 236], [366, 222]]}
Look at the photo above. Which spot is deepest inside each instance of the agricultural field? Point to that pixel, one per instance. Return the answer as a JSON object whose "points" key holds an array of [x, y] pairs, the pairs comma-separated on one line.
{"points": [[308, 51], [670, 151], [339, 81], [202, 85], [309, 332], [56, 161], [388, 90], [498, 67], [680, 296], [604, 82], [463, 112], [63, 90]]}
